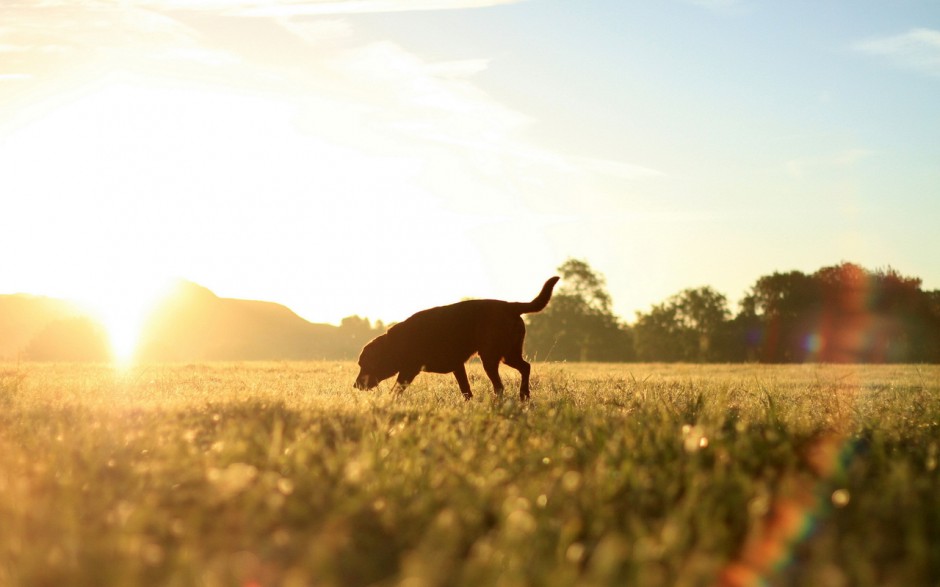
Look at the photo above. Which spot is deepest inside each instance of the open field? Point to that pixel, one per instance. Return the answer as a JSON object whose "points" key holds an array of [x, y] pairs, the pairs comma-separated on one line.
{"points": [[282, 474]]}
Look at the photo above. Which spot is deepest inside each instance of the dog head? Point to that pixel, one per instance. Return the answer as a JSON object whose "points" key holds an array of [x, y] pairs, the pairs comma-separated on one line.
{"points": [[376, 363]]}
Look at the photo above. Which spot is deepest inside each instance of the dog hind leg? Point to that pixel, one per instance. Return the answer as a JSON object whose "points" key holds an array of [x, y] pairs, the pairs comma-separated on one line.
{"points": [[521, 365], [491, 366]]}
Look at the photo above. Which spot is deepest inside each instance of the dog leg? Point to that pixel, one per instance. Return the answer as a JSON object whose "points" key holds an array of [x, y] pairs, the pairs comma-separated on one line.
{"points": [[405, 377], [521, 365], [491, 366], [461, 374]]}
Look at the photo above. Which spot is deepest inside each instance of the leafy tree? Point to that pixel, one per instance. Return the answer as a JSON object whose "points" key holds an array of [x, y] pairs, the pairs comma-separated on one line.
{"points": [[581, 282], [932, 301], [658, 336], [354, 332], [842, 313], [874, 316], [579, 323], [704, 313], [777, 313], [931, 311], [689, 326]]}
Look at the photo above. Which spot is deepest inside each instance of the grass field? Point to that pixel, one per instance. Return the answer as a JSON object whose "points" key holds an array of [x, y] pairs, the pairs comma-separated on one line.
{"points": [[282, 474]]}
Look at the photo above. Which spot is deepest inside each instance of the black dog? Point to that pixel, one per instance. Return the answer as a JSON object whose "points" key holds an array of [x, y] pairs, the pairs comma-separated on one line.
{"points": [[442, 339]]}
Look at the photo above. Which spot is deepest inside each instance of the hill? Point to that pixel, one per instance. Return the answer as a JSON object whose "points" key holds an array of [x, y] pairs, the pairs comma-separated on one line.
{"points": [[190, 324], [195, 324], [24, 317]]}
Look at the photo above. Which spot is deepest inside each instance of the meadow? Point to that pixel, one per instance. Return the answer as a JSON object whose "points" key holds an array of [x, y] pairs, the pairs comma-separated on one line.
{"points": [[261, 474]]}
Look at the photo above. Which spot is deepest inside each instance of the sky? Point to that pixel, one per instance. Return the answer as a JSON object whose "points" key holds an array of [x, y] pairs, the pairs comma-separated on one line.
{"points": [[377, 157]]}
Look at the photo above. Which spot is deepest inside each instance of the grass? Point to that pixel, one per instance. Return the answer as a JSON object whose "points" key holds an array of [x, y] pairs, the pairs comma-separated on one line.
{"points": [[282, 474]]}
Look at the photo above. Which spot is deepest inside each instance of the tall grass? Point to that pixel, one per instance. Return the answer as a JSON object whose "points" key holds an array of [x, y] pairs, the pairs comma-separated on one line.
{"points": [[282, 474]]}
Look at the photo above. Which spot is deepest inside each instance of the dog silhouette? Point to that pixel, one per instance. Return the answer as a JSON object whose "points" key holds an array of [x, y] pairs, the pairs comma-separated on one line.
{"points": [[442, 339]]}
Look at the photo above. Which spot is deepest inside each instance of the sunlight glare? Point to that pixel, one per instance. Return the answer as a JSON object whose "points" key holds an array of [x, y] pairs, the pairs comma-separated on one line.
{"points": [[188, 181], [123, 307]]}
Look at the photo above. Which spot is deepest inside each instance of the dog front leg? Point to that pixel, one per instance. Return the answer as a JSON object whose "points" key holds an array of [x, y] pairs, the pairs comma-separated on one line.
{"points": [[461, 374], [405, 377]]}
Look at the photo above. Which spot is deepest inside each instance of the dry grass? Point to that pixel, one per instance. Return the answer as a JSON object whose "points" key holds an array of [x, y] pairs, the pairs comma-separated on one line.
{"points": [[282, 474]]}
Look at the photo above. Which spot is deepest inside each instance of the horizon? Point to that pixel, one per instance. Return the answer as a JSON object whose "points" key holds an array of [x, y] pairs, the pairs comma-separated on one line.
{"points": [[144, 306], [843, 313], [376, 158]]}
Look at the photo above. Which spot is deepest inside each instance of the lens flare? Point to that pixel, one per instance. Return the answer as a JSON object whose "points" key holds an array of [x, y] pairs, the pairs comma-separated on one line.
{"points": [[802, 504], [123, 307]]}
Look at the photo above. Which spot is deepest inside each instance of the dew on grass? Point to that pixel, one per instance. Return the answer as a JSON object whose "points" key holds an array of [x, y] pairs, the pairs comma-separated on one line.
{"points": [[575, 552], [571, 481], [840, 498], [520, 523], [285, 485], [232, 479], [693, 438]]}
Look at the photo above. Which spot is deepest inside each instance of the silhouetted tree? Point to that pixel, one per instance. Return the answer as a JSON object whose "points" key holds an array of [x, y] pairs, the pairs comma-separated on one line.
{"points": [[657, 336], [689, 326], [837, 314], [580, 281], [778, 312], [842, 313], [579, 323], [355, 332], [932, 299], [931, 345], [874, 316]]}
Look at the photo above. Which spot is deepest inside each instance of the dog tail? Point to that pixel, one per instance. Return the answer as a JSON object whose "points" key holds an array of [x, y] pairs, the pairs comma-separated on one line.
{"points": [[540, 301]]}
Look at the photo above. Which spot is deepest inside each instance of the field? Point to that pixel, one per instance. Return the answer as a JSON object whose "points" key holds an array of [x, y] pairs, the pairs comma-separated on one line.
{"points": [[282, 474]]}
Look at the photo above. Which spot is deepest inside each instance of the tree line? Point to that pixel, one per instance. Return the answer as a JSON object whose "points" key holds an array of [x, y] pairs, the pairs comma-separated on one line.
{"points": [[842, 313]]}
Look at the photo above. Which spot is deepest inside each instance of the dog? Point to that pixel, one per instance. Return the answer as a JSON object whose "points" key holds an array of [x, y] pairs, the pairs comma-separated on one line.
{"points": [[442, 339]]}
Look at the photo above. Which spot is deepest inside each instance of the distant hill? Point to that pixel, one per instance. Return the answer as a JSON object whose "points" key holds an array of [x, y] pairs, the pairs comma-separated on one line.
{"points": [[195, 324], [190, 324], [24, 317]]}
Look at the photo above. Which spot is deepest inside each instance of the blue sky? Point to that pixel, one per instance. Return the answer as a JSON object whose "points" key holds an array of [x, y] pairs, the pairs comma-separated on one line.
{"points": [[370, 158]]}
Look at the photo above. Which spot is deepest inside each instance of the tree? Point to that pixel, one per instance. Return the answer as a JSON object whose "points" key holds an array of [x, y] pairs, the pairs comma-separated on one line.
{"points": [[354, 332], [931, 312], [689, 326], [579, 323], [842, 313], [657, 336], [777, 314], [581, 282], [873, 316]]}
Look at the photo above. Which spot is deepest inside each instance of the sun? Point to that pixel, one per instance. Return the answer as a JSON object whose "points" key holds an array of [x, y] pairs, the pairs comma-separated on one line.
{"points": [[132, 179], [122, 305]]}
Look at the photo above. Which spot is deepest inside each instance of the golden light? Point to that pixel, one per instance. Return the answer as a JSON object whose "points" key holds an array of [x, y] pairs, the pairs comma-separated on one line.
{"points": [[131, 182], [123, 308]]}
